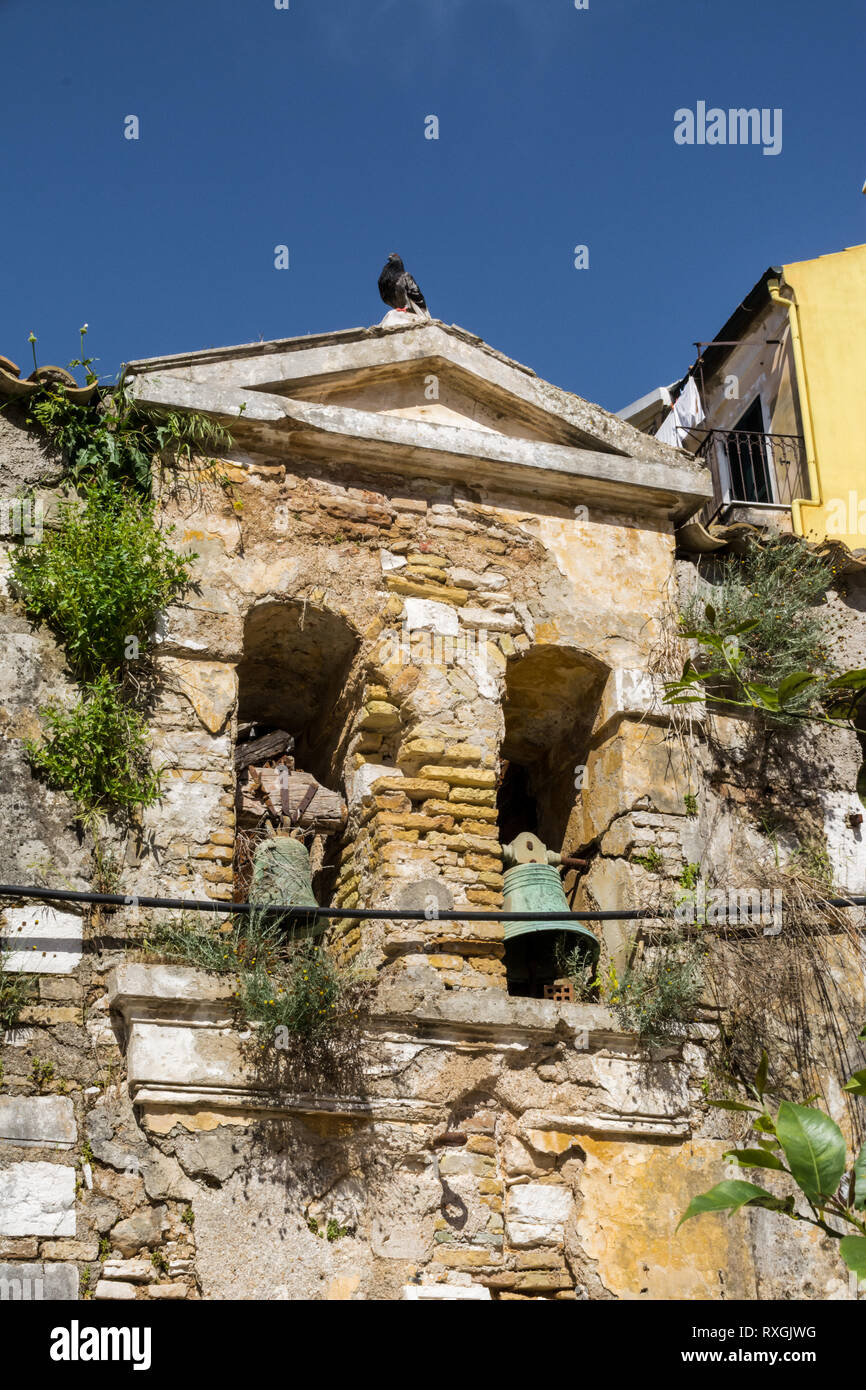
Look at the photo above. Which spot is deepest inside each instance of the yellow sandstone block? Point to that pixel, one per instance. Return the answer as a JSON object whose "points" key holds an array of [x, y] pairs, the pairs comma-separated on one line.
{"points": [[480, 1144], [474, 796], [490, 880], [440, 593], [486, 862], [461, 810], [424, 573], [467, 1259], [463, 753], [379, 714], [460, 843], [415, 822], [480, 827], [421, 748], [418, 788], [461, 776]]}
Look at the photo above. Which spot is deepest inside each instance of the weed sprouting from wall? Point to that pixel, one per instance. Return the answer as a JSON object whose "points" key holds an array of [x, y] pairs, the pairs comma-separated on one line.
{"points": [[100, 578], [97, 751], [777, 587], [300, 1001], [16, 991]]}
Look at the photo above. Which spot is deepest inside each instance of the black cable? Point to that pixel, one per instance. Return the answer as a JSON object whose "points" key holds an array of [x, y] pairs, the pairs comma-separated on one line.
{"points": [[634, 914]]}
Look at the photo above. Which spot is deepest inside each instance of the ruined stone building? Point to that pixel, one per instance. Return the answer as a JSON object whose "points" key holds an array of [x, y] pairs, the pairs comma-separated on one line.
{"points": [[451, 584]]}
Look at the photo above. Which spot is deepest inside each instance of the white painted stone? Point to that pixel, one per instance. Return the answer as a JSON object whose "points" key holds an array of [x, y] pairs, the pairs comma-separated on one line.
{"points": [[488, 619], [37, 1199], [501, 602], [39, 940], [390, 561], [634, 692], [100, 1032], [478, 669], [466, 579], [37, 1282], [846, 846], [134, 1271], [628, 1090], [107, 1288], [28, 1121], [536, 1213], [427, 615], [359, 783]]}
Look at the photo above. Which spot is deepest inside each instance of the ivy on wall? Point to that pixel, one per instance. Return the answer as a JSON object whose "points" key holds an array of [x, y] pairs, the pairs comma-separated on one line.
{"points": [[99, 579]]}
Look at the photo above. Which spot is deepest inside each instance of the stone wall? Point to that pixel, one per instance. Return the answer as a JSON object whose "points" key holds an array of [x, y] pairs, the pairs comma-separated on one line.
{"points": [[415, 636], [474, 637]]}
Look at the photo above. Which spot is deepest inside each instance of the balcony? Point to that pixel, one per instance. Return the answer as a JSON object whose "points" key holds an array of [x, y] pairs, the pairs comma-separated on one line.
{"points": [[755, 476]]}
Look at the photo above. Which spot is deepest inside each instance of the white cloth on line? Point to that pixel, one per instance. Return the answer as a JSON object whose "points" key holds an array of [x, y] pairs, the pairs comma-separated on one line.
{"points": [[687, 412]]}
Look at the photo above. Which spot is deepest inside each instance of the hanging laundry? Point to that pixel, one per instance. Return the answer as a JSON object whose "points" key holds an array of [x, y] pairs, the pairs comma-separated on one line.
{"points": [[687, 412]]}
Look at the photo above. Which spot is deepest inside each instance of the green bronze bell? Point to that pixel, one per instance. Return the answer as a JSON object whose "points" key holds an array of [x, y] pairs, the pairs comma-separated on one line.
{"points": [[532, 884], [537, 888], [281, 875]]}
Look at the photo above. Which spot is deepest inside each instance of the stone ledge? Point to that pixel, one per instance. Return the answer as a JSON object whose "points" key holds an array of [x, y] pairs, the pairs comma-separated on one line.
{"points": [[187, 1063], [191, 997]]}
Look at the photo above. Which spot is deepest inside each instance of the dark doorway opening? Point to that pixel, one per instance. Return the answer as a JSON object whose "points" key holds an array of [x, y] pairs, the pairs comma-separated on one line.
{"points": [[747, 457], [551, 702]]}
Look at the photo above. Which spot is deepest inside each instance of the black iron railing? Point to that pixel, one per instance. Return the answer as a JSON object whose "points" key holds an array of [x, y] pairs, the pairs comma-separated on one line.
{"points": [[750, 467]]}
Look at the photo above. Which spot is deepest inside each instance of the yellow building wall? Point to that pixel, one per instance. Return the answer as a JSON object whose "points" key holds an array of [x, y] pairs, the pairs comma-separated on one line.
{"points": [[831, 308]]}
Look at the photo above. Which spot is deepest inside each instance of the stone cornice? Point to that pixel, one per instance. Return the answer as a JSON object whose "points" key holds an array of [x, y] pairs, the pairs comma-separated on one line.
{"points": [[185, 1054], [264, 393]]}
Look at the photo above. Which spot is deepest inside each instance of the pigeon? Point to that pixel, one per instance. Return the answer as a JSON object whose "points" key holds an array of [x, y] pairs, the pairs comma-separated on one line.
{"points": [[400, 290]]}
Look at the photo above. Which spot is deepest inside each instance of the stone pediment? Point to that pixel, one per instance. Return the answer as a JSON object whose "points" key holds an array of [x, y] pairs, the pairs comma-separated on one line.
{"points": [[427, 400]]}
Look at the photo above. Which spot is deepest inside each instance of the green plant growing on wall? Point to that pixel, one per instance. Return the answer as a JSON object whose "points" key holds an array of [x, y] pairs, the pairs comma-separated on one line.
{"points": [[111, 440], [333, 1230], [803, 695], [303, 992], [761, 644], [661, 990], [97, 751], [290, 985], [100, 579], [777, 586], [810, 1147], [580, 968], [651, 861], [42, 1073], [689, 876], [16, 991]]}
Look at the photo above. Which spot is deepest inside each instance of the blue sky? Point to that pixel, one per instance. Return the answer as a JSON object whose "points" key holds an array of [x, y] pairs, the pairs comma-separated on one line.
{"points": [[305, 127]]}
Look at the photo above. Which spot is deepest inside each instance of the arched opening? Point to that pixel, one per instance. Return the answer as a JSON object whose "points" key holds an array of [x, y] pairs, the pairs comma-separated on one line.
{"points": [[552, 696], [294, 702]]}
